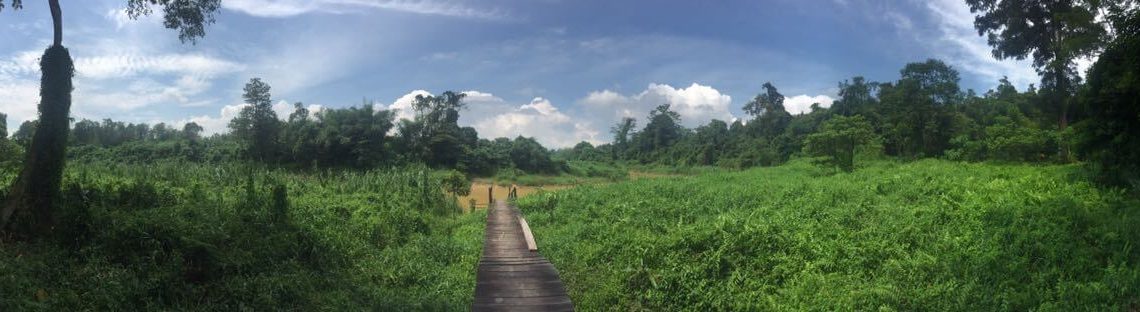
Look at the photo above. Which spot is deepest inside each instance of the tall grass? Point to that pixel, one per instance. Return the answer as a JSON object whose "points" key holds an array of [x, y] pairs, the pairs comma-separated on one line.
{"points": [[230, 237], [928, 235]]}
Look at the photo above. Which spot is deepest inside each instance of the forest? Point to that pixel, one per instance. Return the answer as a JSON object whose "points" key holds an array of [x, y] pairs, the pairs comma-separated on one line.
{"points": [[908, 194]]}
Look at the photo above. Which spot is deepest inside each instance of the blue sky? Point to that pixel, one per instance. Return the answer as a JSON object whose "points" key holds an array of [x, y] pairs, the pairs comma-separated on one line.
{"points": [[559, 70]]}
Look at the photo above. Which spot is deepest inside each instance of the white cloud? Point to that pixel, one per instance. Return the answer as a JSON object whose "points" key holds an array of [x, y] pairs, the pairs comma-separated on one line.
{"points": [[801, 104], [220, 124], [215, 124], [18, 99], [286, 8], [494, 117], [539, 119], [111, 84], [403, 104], [130, 65], [697, 104], [284, 108]]}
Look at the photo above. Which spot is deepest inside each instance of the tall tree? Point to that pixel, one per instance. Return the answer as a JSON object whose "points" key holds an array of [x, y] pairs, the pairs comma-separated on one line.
{"points": [[257, 124], [3, 126], [440, 135], [1111, 137], [917, 114], [855, 97], [662, 130], [192, 131], [622, 131], [37, 186], [1054, 32], [768, 110]]}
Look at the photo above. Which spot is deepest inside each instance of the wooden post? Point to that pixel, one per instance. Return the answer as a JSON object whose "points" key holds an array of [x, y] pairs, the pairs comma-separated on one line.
{"points": [[490, 196]]}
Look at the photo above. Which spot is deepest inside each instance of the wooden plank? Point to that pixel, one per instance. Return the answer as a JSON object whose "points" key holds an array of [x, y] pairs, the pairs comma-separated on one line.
{"points": [[512, 276], [530, 244]]}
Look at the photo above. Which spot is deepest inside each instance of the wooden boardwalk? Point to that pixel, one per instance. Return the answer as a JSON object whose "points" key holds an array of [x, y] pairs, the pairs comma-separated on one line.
{"points": [[511, 277]]}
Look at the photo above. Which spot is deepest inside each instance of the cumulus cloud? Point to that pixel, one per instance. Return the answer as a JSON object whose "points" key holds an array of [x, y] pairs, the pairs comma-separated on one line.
{"points": [[697, 104], [286, 8], [801, 104], [494, 117], [215, 124], [403, 104], [539, 119], [220, 123]]}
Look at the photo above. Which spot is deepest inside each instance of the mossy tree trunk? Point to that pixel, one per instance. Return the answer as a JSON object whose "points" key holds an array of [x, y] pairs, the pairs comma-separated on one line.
{"points": [[33, 194]]}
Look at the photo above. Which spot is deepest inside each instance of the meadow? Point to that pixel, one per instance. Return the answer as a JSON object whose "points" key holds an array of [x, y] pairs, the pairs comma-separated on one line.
{"points": [[925, 235], [180, 236]]}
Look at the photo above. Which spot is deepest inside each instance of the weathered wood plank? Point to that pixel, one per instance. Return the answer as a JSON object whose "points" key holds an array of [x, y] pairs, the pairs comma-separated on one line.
{"points": [[527, 235], [512, 276]]}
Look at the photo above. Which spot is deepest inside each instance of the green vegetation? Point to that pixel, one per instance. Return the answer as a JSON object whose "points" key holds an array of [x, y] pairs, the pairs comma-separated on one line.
{"points": [[197, 237], [944, 199], [839, 139], [926, 235]]}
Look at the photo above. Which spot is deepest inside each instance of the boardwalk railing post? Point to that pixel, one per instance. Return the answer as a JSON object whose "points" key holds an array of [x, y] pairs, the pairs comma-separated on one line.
{"points": [[490, 196]]}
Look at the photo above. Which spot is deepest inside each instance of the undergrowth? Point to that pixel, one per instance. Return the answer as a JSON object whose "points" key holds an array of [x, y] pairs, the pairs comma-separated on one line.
{"points": [[196, 237], [928, 235]]}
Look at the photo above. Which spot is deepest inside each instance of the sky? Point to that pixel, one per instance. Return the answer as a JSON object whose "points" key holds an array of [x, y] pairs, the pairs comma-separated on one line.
{"points": [[562, 71]]}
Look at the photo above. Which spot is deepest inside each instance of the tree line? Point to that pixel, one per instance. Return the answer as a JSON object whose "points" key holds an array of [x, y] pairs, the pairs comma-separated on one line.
{"points": [[923, 114], [357, 137], [926, 114]]}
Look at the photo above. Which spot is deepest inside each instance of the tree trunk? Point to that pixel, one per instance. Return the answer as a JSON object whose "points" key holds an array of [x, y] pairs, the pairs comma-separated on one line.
{"points": [[33, 194]]}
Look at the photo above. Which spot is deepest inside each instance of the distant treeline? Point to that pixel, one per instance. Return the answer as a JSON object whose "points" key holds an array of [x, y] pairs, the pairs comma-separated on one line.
{"points": [[353, 137], [922, 114]]}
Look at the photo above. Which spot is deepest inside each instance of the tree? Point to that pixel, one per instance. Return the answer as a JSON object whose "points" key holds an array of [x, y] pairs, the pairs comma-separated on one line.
{"points": [[36, 188], [622, 132], [855, 97], [434, 136], [8, 150], [917, 118], [456, 183], [23, 134], [528, 155], [839, 139], [353, 136], [257, 125], [768, 111], [1111, 136], [192, 131], [1054, 32], [661, 132]]}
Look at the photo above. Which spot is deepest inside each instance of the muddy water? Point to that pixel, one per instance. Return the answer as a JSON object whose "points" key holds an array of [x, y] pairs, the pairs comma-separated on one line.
{"points": [[479, 193]]}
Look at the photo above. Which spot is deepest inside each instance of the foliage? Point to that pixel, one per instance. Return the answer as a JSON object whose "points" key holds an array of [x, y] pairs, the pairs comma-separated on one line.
{"points": [[257, 125], [1111, 138], [456, 183], [838, 140], [189, 18], [1055, 34], [180, 236], [925, 235]]}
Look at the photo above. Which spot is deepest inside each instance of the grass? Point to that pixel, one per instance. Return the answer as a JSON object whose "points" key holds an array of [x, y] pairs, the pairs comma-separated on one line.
{"points": [[195, 237], [927, 235]]}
